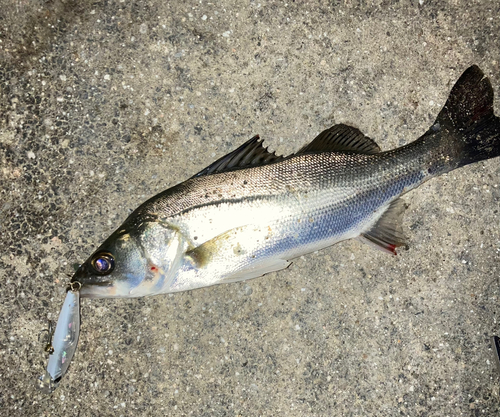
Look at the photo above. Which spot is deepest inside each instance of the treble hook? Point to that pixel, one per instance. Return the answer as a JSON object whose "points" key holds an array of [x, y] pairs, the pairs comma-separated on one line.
{"points": [[47, 338]]}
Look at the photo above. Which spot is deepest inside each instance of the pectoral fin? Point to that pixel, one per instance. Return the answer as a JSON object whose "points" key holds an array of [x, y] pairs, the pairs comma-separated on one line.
{"points": [[230, 256], [232, 244]]}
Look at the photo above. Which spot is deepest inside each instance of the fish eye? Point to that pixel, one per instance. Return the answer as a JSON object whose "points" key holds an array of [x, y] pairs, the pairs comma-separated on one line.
{"points": [[103, 263]]}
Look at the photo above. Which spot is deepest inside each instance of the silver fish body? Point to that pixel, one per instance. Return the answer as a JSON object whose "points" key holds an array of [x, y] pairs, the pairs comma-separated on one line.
{"points": [[64, 343], [252, 212]]}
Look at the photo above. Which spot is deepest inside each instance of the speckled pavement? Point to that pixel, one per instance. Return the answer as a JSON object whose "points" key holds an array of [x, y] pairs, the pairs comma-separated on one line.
{"points": [[104, 104]]}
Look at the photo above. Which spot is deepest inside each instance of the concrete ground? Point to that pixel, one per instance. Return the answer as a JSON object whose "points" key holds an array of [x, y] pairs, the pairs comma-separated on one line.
{"points": [[104, 104]]}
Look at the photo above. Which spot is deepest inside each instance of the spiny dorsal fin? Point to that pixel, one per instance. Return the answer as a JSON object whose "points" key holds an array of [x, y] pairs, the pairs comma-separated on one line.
{"points": [[250, 154], [342, 138], [387, 233]]}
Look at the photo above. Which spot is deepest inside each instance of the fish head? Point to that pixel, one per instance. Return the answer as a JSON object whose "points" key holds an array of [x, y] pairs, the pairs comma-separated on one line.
{"points": [[134, 261]]}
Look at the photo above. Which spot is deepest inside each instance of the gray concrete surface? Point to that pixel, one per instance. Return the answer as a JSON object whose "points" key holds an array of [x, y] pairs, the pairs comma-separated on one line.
{"points": [[104, 104]]}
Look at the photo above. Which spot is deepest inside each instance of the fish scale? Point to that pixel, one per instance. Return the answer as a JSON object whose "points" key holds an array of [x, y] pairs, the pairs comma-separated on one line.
{"points": [[251, 212], [333, 193]]}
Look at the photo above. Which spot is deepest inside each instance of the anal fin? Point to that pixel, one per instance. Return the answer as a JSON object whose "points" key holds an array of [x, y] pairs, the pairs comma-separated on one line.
{"points": [[387, 233]]}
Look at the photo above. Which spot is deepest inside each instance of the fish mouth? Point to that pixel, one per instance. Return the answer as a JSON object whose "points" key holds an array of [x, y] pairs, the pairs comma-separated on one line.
{"points": [[99, 290], [107, 289]]}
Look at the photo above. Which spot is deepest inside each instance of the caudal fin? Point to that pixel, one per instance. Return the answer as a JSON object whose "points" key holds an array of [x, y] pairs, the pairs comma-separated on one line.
{"points": [[468, 116]]}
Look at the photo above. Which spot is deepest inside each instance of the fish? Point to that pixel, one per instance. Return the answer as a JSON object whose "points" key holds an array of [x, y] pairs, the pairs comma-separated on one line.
{"points": [[252, 211], [64, 342]]}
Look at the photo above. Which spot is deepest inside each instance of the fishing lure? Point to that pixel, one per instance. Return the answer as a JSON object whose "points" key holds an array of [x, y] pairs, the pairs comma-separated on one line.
{"points": [[61, 345]]}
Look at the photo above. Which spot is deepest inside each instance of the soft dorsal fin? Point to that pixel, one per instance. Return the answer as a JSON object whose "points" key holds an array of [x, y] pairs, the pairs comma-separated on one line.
{"points": [[250, 154], [342, 138]]}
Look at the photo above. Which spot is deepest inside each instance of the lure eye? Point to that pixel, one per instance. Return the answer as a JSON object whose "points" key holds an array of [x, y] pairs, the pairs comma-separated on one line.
{"points": [[103, 263]]}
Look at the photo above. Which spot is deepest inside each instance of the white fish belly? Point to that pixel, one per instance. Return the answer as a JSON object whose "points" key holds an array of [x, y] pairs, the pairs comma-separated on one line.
{"points": [[263, 237]]}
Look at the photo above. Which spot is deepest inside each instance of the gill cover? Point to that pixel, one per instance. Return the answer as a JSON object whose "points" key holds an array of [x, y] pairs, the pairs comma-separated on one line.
{"points": [[136, 260]]}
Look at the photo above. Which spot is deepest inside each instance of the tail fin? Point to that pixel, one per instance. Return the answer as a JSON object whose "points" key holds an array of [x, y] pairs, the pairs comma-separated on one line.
{"points": [[468, 116]]}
